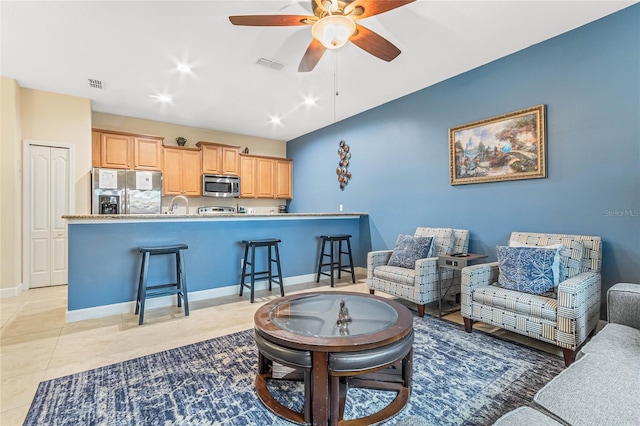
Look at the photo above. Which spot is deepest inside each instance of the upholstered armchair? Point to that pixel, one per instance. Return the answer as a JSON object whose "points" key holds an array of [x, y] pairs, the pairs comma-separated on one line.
{"points": [[563, 316], [419, 284]]}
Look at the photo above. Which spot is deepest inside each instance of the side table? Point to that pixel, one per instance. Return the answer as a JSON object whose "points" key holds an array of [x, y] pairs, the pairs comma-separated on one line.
{"points": [[454, 262]]}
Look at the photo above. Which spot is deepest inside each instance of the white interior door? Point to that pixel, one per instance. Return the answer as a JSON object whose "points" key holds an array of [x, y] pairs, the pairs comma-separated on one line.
{"points": [[48, 201]]}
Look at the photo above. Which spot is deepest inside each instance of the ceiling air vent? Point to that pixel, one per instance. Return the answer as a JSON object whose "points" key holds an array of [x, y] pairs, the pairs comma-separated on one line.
{"points": [[270, 64], [95, 84]]}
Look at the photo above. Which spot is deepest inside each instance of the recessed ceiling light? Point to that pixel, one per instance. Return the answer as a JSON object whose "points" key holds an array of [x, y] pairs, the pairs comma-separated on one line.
{"points": [[308, 100], [184, 68], [275, 120], [162, 98]]}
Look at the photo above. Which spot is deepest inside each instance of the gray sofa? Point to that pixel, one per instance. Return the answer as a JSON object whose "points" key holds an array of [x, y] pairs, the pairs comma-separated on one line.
{"points": [[602, 387]]}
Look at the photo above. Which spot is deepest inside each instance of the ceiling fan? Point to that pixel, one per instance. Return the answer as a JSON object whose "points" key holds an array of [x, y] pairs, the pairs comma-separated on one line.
{"points": [[333, 24]]}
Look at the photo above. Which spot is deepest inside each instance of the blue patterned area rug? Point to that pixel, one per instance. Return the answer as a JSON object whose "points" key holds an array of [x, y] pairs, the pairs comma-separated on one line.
{"points": [[459, 379]]}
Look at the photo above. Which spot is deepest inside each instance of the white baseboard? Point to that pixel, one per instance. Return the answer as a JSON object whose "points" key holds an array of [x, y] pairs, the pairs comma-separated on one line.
{"points": [[12, 291], [129, 307]]}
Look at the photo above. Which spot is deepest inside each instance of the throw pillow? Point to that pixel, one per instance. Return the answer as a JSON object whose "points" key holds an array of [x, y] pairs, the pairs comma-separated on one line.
{"points": [[526, 269], [443, 239], [408, 249], [559, 266]]}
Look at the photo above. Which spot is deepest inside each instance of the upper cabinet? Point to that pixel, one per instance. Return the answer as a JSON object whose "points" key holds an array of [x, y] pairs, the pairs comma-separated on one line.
{"points": [[118, 150], [265, 177], [283, 179], [218, 159], [181, 171], [265, 169], [247, 176]]}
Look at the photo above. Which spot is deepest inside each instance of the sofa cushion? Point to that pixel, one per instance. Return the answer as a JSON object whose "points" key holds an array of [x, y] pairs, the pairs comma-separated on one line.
{"points": [[530, 305], [623, 303], [526, 269], [408, 249], [525, 416], [396, 274], [594, 390], [616, 342]]}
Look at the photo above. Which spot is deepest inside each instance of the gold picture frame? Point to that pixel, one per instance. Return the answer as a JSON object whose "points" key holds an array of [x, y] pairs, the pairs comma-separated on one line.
{"points": [[510, 146]]}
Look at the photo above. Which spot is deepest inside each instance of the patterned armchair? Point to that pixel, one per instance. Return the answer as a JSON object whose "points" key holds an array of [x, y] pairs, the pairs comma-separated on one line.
{"points": [[420, 284], [565, 317]]}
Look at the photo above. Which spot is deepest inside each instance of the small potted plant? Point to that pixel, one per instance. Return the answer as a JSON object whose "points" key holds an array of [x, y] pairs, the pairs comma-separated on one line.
{"points": [[181, 141]]}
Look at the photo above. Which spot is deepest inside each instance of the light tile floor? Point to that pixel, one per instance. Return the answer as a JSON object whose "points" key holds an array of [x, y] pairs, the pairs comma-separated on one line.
{"points": [[36, 344]]}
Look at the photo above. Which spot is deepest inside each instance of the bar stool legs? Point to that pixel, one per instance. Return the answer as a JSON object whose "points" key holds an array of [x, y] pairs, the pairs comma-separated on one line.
{"points": [[179, 288], [335, 255], [250, 249]]}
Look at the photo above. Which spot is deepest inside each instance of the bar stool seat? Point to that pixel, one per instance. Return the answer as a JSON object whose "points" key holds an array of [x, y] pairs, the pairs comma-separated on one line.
{"points": [[270, 244], [179, 288], [335, 254]]}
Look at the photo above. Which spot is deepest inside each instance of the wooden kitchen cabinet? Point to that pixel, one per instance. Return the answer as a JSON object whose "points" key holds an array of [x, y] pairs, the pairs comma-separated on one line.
{"points": [[147, 153], [265, 177], [247, 176], [181, 171], [118, 150], [283, 179], [218, 159]]}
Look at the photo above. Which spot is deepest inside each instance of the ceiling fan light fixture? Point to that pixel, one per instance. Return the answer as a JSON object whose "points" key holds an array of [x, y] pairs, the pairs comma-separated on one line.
{"points": [[333, 31]]}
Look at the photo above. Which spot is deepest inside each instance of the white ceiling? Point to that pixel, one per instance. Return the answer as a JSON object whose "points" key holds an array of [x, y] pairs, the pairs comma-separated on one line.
{"points": [[133, 48]]}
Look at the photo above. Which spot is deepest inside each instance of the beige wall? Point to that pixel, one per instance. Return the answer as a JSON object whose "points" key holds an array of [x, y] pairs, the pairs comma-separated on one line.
{"points": [[45, 117], [10, 193], [51, 117], [257, 146]]}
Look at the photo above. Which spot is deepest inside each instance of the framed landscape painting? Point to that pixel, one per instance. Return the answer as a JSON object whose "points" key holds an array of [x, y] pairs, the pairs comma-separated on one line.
{"points": [[506, 147]]}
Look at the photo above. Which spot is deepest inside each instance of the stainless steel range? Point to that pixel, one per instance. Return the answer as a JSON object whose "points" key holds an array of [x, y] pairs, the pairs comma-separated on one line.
{"points": [[214, 210]]}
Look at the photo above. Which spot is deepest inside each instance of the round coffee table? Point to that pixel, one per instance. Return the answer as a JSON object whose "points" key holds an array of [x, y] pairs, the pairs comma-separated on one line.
{"points": [[338, 339]]}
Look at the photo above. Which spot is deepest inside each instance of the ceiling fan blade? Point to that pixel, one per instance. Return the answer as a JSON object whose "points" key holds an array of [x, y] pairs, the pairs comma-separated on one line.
{"points": [[311, 56], [374, 43], [360, 9], [272, 20]]}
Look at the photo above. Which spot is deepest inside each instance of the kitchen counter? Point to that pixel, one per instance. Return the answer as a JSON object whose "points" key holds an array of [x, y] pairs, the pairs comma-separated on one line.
{"points": [[193, 217], [104, 263]]}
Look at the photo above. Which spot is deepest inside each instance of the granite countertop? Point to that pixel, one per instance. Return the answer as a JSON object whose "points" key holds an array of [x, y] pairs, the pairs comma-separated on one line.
{"points": [[161, 217]]}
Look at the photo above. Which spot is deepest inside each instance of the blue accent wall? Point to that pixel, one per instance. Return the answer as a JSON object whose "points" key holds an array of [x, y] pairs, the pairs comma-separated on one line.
{"points": [[589, 80]]}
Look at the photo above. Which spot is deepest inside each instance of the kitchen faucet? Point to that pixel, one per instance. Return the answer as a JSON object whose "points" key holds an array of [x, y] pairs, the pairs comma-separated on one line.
{"points": [[174, 205]]}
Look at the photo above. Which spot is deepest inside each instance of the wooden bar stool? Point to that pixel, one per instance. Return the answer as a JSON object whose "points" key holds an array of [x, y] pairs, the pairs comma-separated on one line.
{"points": [[179, 288], [335, 254], [270, 243]]}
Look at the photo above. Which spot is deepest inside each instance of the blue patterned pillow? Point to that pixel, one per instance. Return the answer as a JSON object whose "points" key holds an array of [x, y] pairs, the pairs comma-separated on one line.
{"points": [[526, 269], [408, 249]]}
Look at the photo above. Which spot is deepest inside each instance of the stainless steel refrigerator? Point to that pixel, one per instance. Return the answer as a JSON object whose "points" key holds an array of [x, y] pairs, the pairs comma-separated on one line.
{"points": [[116, 191]]}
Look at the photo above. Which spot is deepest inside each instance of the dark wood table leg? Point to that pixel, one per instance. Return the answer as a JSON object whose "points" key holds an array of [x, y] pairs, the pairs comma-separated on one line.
{"points": [[320, 393]]}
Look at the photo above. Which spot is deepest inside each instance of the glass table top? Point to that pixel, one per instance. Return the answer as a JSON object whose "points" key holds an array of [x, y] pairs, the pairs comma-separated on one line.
{"points": [[330, 315]]}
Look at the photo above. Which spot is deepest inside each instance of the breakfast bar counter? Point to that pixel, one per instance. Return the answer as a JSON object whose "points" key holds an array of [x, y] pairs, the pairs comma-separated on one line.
{"points": [[105, 218], [104, 262]]}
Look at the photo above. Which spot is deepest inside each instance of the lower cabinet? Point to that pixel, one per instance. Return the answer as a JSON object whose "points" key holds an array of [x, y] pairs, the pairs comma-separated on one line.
{"points": [[182, 173], [265, 177]]}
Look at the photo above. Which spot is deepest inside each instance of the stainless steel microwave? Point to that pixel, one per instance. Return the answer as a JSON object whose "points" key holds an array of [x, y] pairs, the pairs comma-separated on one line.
{"points": [[220, 186]]}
